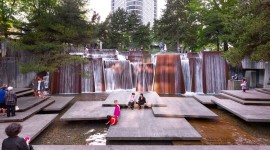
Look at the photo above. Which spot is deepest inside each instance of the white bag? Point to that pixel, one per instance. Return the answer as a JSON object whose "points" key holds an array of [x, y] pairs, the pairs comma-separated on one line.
{"points": [[17, 108]]}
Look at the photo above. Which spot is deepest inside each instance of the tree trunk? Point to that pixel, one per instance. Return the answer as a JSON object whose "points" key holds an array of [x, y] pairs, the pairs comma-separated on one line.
{"points": [[226, 46]]}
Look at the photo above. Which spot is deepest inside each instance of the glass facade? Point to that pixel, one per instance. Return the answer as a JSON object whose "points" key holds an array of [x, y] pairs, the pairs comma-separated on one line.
{"points": [[146, 9]]}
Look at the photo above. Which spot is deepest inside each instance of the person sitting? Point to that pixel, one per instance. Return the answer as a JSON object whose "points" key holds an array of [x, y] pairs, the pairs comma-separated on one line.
{"points": [[235, 77], [141, 101], [14, 142], [131, 101], [112, 120], [10, 101]]}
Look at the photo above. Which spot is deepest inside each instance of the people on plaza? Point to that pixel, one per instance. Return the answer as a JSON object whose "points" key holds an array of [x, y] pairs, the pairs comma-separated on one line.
{"points": [[141, 101], [10, 101], [14, 142], [2, 100], [131, 101], [112, 120], [117, 109], [161, 47], [235, 77], [41, 87], [35, 86], [165, 48], [244, 85]]}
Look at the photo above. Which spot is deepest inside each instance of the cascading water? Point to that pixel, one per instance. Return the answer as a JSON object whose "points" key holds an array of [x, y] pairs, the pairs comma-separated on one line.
{"points": [[198, 76], [214, 72], [186, 73], [70, 79], [98, 74], [117, 75], [87, 78]]}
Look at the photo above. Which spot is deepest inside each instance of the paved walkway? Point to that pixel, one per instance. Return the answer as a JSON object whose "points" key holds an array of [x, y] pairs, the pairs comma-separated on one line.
{"points": [[205, 99], [183, 107], [21, 116], [87, 110], [142, 125], [26, 103], [147, 147], [152, 99], [249, 113], [31, 127], [60, 102], [248, 95]]}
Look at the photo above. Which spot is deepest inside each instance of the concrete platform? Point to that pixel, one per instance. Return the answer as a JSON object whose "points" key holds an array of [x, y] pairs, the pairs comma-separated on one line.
{"points": [[26, 103], [142, 125], [249, 113], [263, 90], [31, 127], [20, 90], [183, 108], [87, 110], [147, 147], [248, 95], [205, 99], [60, 102], [21, 116], [30, 92], [244, 102], [152, 99]]}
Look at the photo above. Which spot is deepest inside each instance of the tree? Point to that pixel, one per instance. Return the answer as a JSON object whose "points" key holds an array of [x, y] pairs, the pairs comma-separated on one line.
{"points": [[251, 32], [51, 32]]}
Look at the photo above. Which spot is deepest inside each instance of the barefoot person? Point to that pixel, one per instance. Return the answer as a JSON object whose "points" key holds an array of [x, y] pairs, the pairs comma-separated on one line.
{"points": [[141, 101], [116, 109], [14, 142], [35, 86], [131, 101], [41, 87], [112, 120], [244, 85]]}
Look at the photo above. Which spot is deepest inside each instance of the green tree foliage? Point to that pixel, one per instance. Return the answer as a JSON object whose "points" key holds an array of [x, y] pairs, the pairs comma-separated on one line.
{"points": [[251, 32], [51, 32], [124, 30]]}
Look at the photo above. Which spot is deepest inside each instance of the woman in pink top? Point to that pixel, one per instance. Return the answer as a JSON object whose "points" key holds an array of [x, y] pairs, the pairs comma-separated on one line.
{"points": [[116, 109]]}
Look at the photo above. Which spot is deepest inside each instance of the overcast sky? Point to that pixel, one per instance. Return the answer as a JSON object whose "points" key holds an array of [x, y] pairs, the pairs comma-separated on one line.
{"points": [[103, 7]]}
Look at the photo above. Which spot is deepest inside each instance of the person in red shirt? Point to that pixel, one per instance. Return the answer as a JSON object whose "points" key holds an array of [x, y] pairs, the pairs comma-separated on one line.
{"points": [[112, 120]]}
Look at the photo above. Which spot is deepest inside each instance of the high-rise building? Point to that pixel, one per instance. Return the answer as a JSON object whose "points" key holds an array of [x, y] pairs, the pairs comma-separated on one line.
{"points": [[146, 9]]}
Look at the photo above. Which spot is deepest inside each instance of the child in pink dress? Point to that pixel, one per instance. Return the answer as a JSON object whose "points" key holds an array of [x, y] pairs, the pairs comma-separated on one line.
{"points": [[116, 109]]}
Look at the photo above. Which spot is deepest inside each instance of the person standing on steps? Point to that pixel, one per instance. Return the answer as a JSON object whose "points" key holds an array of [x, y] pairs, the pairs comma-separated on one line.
{"points": [[41, 87], [10, 101], [35, 86], [2, 100], [244, 85]]}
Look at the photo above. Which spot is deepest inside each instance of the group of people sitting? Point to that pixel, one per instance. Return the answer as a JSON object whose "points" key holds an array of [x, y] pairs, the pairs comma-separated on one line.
{"points": [[8, 101], [141, 101], [112, 120]]}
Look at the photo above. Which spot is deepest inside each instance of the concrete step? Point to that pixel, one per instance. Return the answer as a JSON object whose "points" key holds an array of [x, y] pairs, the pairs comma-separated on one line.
{"points": [[21, 90], [241, 101], [29, 92], [263, 91], [26, 103], [21, 116]]}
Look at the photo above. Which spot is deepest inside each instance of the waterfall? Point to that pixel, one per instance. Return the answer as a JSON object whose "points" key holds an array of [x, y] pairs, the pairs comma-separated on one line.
{"points": [[198, 76], [214, 72], [70, 79], [117, 75], [186, 74], [98, 74], [87, 78]]}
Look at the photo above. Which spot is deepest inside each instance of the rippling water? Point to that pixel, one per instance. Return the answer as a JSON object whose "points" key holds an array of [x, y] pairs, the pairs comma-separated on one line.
{"points": [[227, 129]]}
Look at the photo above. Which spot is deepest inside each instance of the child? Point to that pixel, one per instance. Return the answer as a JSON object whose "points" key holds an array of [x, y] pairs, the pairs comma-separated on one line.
{"points": [[244, 85], [131, 101], [112, 120], [116, 109]]}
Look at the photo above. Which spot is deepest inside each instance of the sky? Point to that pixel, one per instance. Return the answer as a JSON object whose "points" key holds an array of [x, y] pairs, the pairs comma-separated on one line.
{"points": [[103, 7]]}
